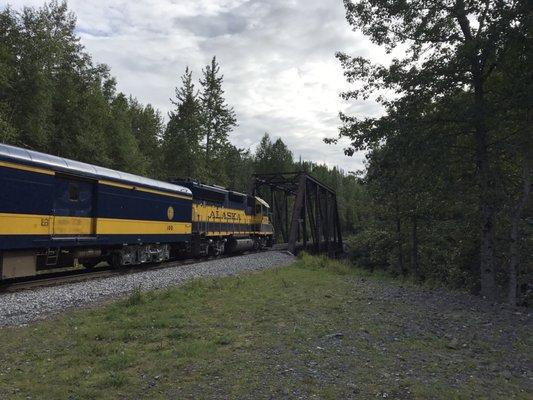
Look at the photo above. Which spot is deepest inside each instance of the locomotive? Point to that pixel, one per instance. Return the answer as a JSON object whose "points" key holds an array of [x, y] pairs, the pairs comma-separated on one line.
{"points": [[56, 212]]}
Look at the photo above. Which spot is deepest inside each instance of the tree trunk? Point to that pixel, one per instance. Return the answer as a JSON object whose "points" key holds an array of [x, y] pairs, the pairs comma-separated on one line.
{"points": [[486, 202], [399, 239], [207, 147], [414, 249], [514, 247]]}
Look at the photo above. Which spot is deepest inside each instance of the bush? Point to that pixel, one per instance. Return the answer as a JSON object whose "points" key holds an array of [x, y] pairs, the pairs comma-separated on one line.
{"points": [[323, 263], [135, 298]]}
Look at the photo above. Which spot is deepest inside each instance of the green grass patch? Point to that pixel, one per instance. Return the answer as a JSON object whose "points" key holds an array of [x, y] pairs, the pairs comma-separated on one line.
{"points": [[315, 328]]}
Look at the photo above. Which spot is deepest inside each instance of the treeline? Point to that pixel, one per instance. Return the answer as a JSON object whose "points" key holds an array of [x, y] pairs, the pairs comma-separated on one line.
{"points": [[55, 99], [449, 163]]}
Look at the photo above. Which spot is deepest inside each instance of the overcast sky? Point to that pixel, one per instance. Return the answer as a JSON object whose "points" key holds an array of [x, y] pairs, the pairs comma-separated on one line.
{"points": [[277, 57]]}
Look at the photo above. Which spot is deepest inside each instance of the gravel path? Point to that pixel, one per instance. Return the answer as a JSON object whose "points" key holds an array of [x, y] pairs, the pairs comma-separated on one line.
{"points": [[19, 308]]}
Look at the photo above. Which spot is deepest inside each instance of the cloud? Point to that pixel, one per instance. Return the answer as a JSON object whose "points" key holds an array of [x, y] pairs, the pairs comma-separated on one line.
{"points": [[204, 26], [277, 57]]}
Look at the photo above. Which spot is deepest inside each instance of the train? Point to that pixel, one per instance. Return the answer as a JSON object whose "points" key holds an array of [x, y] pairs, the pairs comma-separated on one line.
{"points": [[56, 212]]}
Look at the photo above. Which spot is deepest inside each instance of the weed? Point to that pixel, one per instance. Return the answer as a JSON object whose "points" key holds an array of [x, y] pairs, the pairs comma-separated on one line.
{"points": [[135, 298], [178, 334], [223, 340]]}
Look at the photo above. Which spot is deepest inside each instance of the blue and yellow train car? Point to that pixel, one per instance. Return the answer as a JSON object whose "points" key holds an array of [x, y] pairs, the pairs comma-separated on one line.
{"points": [[226, 221], [55, 211]]}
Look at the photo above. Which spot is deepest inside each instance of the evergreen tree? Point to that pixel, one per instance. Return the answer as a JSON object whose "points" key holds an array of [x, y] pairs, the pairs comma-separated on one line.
{"points": [[218, 118], [273, 157], [122, 145], [263, 155], [282, 159], [182, 150], [8, 35], [93, 114], [147, 127], [239, 167], [54, 99]]}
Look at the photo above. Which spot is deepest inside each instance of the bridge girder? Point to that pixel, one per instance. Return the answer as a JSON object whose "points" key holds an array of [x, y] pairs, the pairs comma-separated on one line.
{"points": [[314, 210]]}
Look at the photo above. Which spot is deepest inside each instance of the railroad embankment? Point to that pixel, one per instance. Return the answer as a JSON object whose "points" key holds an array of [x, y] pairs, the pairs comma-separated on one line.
{"points": [[316, 329], [23, 306]]}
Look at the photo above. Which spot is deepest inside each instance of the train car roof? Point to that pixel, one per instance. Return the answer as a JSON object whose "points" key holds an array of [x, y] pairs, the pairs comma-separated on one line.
{"points": [[191, 184], [83, 169]]}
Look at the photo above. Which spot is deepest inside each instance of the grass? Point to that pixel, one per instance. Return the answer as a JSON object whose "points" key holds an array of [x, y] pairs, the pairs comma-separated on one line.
{"points": [[313, 329]]}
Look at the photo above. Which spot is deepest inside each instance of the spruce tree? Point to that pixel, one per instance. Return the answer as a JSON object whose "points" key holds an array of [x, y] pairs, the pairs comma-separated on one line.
{"points": [[123, 146], [182, 138], [147, 127], [273, 156], [218, 118]]}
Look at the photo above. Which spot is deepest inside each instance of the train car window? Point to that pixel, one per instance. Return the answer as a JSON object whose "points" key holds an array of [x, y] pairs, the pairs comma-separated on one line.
{"points": [[73, 192]]}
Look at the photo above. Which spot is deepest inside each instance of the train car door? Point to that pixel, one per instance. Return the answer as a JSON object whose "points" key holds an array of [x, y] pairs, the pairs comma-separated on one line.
{"points": [[74, 206]]}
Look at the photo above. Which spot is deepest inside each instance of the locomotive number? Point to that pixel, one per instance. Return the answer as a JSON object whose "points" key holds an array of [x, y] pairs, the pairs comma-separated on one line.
{"points": [[170, 228], [45, 222]]}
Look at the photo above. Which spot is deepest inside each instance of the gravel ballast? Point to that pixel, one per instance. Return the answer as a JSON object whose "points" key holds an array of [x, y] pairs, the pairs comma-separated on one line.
{"points": [[22, 307]]}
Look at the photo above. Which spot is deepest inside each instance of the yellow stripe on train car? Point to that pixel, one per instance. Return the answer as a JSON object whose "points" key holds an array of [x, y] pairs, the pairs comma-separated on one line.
{"points": [[112, 226], [30, 224], [72, 225], [25, 224], [236, 233], [26, 168]]}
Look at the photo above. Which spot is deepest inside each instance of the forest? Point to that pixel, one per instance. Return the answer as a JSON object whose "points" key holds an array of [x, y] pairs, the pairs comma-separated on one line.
{"points": [[449, 166], [444, 197]]}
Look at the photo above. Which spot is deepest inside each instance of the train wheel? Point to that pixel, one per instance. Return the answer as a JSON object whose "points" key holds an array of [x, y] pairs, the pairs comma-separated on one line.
{"points": [[115, 259], [89, 264]]}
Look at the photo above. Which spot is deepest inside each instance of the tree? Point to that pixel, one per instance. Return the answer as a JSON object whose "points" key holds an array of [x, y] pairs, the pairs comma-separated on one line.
{"points": [[452, 46], [53, 98], [510, 89], [263, 156], [181, 141], [123, 147], [239, 167], [147, 127], [218, 119], [273, 156], [8, 33]]}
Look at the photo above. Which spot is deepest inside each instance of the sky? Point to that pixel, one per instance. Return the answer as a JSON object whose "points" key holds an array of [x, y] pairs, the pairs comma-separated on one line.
{"points": [[277, 57]]}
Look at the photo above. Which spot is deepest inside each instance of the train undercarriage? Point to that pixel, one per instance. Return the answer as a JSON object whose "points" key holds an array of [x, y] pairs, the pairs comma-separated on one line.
{"points": [[26, 263]]}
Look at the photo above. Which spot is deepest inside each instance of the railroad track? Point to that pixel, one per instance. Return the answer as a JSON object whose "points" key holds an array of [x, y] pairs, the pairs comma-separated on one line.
{"points": [[81, 275], [51, 279]]}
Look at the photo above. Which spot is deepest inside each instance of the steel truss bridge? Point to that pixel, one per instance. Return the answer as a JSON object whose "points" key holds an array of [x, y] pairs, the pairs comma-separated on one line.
{"points": [[305, 211]]}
